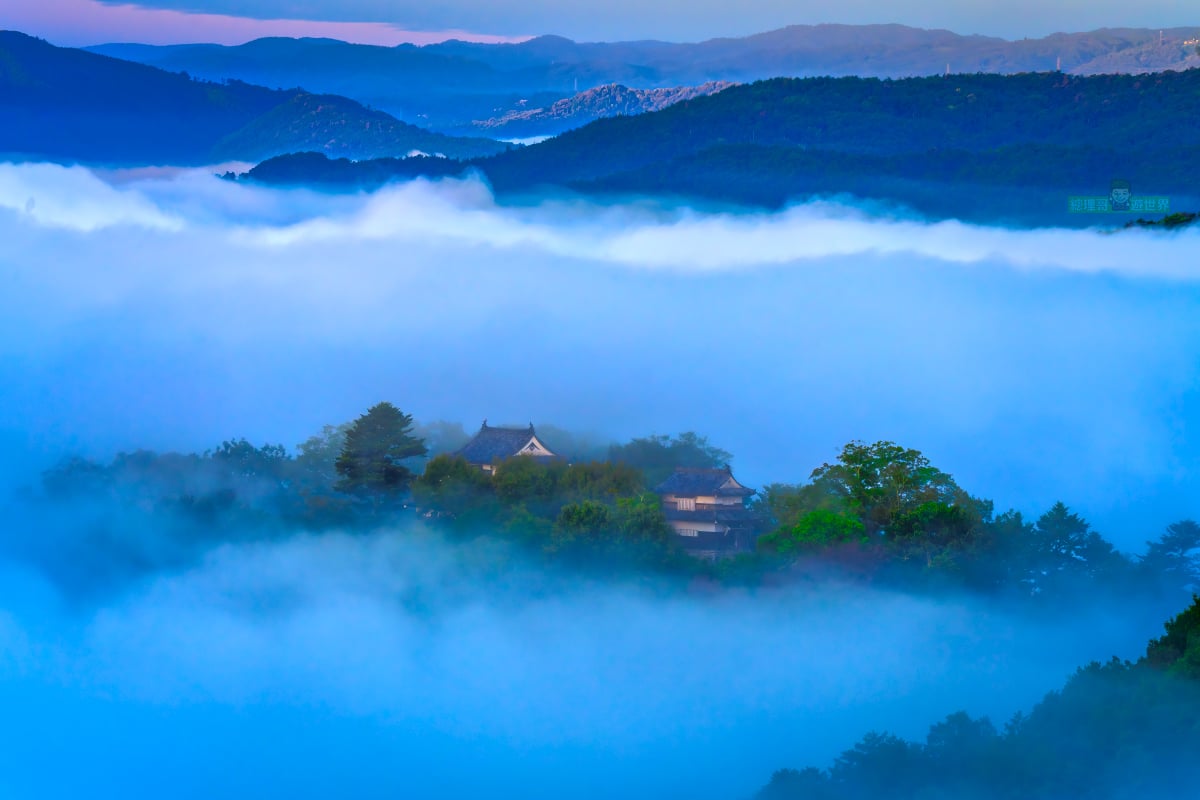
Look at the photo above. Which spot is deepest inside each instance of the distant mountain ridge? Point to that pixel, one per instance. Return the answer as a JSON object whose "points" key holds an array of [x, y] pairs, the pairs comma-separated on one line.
{"points": [[453, 85], [74, 105]]}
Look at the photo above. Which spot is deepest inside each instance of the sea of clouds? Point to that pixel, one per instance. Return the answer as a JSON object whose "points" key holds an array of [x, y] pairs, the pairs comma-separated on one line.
{"points": [[172, 310]]}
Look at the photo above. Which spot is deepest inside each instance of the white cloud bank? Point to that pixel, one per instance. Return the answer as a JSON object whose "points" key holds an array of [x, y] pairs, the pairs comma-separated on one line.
{"points": [[174, 310], [72, 198], [463, 212]]}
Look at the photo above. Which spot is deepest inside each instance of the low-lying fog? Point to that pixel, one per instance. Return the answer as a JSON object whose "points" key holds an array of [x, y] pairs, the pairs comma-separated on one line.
{"points": [[177, 310], [393, 666]]}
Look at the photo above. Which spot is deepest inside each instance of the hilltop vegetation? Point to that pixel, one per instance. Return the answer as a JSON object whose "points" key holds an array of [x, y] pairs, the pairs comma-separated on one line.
{"points": [[1180, 219], [316, 169], [879, 514]]}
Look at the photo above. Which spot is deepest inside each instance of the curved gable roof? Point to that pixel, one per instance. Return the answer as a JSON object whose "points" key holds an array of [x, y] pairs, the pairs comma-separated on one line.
{"points": [[493, 444], [695, 481]]}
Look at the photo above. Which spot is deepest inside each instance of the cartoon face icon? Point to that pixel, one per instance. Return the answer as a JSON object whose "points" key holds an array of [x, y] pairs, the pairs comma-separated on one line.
{"points": [[1120, 194]]}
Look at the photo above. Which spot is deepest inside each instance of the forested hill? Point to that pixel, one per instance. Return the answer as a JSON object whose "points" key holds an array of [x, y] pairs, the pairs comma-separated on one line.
{"points": [[69, 104], [966, 145], [66, 103], [1128, 114], [1116, 730]]}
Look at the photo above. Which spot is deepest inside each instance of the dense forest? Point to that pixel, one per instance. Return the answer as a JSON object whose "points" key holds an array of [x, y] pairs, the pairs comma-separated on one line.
{"points": [[1115, 730], [878, 513]]}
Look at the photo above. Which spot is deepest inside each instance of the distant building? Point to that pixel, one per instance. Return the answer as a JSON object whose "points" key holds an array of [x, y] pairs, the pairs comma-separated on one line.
{"points": [[707, 509], [491, 445]]}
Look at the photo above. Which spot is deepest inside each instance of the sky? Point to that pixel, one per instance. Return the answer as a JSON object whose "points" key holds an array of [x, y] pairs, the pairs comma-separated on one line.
{"points": [[83, 22], [79, 23]]}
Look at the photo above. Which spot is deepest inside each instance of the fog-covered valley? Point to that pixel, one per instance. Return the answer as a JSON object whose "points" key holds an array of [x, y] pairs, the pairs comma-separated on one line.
{"points": [[395, 664], [172, 310], [174, 313]]}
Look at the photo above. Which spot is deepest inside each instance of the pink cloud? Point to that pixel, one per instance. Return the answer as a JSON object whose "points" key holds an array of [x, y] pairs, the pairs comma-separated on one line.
{"points": [[77, 23]]}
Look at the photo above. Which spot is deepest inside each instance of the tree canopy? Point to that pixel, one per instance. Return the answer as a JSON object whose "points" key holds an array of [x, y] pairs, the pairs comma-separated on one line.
{"points": [[883, 480]]}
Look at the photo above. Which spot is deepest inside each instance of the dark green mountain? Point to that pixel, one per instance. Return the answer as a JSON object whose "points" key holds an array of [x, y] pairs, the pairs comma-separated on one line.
{"points": [[72, 105], [1132, 115], [979, 146]]}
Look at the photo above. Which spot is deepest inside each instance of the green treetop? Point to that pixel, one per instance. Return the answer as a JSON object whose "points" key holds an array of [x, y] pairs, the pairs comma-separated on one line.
{"points": [[883, 480]]}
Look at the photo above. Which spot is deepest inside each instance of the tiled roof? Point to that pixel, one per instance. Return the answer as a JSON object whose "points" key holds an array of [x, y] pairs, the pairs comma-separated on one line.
{"points": [[493, 444], [696, 482]]}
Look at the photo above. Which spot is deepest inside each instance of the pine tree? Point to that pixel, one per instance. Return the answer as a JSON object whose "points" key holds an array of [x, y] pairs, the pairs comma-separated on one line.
{"points": [[371, 462]]}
